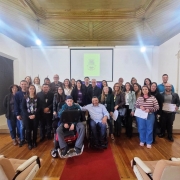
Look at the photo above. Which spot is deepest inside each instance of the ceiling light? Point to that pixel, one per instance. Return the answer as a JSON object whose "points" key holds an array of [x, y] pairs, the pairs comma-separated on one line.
{"points": [[38, 42], [143, 49]]}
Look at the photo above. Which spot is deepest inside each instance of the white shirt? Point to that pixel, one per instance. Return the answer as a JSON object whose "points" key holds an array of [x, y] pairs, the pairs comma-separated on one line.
{"points": [[127, 98], [67, 91], [38, 88]]}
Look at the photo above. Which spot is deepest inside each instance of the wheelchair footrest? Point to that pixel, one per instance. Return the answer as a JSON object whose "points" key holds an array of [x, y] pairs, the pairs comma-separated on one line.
{"points": [[71, 153]]}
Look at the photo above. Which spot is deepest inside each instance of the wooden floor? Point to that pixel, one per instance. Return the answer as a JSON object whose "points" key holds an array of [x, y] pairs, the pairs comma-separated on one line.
{"points": [[124, 150]]}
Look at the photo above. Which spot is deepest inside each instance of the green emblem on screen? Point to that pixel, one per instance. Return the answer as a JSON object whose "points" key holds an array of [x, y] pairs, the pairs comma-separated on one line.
{"points": [[91, 64]]}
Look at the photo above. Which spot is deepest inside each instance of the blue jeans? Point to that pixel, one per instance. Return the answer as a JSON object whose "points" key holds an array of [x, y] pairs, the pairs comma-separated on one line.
{"points": [[145, 128], [22, 130], [13, 127], [101, 127]]}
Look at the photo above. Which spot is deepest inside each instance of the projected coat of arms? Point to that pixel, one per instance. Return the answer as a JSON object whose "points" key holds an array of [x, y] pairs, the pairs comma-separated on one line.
{"points": [[91, 64]]}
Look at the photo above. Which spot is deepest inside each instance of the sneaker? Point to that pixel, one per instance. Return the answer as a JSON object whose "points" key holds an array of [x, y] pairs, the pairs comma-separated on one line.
{"points": [[149, 146], [64, 151], [141, 144], [77, 150], [15, 142]]}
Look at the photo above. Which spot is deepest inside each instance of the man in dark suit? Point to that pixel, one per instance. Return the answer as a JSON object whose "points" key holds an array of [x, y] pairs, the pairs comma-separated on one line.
{"points": [[93, 91], [46, 111], [54, 85]]}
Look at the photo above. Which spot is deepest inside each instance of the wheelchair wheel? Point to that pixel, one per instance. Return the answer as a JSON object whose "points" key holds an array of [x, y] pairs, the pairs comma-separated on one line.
{"points": [[54, 153]]}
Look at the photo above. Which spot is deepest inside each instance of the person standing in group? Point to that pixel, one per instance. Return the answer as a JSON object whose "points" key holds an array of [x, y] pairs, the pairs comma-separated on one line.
{"points": [[94, 90], [149, 104], [105, 84], [137, 90], [28, 80], [58, 102], [120, 81], [161, 87], [54, 85], [12, 122], [73, 83], [67, 87], [147, 82], [47, 81], [46, 111], [119, 101], [37, 84], [30, 108], [107, 99], [168, 117], [130, 100], [87, 86], [18, 98], [133, 81], [158, 96], [78, 93]]}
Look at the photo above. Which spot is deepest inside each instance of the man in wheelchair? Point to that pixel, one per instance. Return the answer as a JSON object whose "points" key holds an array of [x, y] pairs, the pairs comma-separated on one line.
{"points": [[98, 119], [71, 126]]}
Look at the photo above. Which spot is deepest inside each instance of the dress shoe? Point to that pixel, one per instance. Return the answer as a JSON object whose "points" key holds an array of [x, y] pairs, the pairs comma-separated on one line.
{"points": [[42, 139], [34, 144], [161, 135], [29, 146], [171, 138]]}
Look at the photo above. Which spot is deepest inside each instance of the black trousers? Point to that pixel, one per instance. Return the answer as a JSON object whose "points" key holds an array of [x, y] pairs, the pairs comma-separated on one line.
{"points": [[128, 122], [31, 126], [117, 125], [167, 122], [46, 125]]}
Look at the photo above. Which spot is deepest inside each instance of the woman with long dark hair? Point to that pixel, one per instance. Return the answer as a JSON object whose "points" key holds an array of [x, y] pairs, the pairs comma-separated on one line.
{"points": [[119, 100], [28, 80], [149, 104], [12, 122], [158, 96], [108, 100], [130, 100], [137, 90], [105, 84], [30, 108], [78, 93], [147, 82]]}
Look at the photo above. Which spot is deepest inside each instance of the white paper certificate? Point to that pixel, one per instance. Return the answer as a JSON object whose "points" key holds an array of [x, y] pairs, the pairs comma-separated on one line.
{"points": [[169, 107], [140, 113], [115, 115]]}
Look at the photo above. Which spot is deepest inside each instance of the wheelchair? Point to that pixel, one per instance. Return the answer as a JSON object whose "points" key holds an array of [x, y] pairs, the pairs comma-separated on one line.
{"points": [[70, 137], [90, 137]]}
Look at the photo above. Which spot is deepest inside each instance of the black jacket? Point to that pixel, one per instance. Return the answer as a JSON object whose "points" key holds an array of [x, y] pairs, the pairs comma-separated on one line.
{"points": [[53, 87], [57, 104], [88, 100], [45, 101], [159, 98], [6, 104], [74, 94], [120, 100], [93, 92], [109, 102], [175, 98]]}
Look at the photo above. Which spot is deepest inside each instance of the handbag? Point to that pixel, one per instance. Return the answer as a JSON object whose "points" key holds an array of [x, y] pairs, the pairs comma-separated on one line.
{"points": [[122, 112]]}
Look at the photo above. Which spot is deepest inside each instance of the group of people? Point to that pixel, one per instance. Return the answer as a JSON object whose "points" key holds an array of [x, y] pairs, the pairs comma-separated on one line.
{"points": [[31, 105]]}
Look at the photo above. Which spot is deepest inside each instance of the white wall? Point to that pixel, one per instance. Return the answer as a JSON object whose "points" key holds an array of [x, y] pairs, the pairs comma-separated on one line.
{"points": [[128, 62], [168, 59], [16, 52]]}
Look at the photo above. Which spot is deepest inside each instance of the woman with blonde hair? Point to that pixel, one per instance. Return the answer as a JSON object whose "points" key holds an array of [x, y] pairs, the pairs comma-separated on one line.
{"points": [[37, 84], [108, 100]]}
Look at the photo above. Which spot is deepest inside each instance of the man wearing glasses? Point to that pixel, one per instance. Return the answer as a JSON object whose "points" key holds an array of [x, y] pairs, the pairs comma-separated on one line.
{"points": [[170, 106], [54, 85]]}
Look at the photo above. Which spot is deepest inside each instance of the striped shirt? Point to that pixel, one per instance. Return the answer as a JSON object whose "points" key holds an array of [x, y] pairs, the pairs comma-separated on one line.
{"points": [[149, 103]]}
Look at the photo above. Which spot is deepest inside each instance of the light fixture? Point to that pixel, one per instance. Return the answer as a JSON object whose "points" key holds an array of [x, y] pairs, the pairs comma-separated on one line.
{"points": [[143, 49], [38, 41]]}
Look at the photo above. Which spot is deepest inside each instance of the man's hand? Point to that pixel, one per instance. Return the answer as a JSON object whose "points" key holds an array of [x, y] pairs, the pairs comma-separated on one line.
{"points": [[142, 108], [54, 113], [104, 119], [66, 125], [71, 127], [19, 117], [31, 116], [46, 110]]}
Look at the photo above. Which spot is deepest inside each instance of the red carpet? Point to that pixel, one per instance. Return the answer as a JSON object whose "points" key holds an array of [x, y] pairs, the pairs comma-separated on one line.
{"points": [[91, 165]]}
